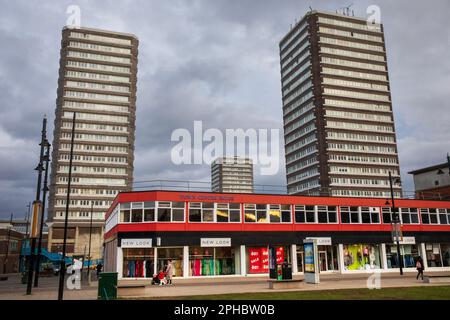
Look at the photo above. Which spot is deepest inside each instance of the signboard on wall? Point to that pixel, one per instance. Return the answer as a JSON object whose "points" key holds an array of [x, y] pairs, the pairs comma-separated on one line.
{"points": [[408, 240], [215, 242], [136, 243], [322, 241]]}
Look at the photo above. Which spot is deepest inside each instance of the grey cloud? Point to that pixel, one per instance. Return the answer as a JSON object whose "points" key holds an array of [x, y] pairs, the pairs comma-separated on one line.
{"points": [[215, 61]]}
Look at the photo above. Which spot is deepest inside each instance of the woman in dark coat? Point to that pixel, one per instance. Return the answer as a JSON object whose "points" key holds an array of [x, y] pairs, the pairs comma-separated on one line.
{"points": [[420, 267]]}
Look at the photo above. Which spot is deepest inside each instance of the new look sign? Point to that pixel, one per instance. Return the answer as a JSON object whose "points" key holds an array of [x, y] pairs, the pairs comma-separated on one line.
{"points": [[215, 242], [136, 243]]}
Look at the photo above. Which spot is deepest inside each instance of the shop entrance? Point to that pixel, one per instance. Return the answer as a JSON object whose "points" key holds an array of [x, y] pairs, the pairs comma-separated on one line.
{"points": [[323, 261]]}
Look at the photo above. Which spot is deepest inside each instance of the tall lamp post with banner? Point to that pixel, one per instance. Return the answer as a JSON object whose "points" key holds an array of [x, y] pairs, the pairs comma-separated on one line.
{"points": [[396, 223], [37, 206]]}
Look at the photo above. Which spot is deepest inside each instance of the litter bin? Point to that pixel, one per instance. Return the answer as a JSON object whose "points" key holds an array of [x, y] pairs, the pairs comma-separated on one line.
{"points": [[107, 286], [286, 271], [279, 272]]}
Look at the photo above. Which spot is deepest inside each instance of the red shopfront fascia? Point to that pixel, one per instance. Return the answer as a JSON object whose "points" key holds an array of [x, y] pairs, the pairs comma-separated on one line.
{"points": [[187, 197]]}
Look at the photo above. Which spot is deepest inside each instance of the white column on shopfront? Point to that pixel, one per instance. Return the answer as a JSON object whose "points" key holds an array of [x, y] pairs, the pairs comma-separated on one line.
{"points": [[383, 257], [243, 260], [237, 259], [424, 255], [155, 261], [294, 258], [341, 258], [185, 261], [119, 262]]}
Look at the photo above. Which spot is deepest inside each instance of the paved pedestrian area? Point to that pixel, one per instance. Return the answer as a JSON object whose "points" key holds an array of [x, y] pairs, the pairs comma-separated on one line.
{"points": [[13, 289], [192, 287]]}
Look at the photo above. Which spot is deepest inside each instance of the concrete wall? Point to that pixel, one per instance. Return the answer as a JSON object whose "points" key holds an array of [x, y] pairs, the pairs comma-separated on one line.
{"points": [[431, 180]]}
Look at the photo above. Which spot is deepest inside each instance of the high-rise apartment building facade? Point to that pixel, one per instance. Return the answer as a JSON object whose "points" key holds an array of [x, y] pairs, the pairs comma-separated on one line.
{"points": [[232, 174], [338, 121], [97, 81]]}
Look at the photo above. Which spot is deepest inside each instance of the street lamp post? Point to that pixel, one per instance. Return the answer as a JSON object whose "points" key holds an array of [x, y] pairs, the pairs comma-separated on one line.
{"points": [[37, 206], [41, 227], [5, 262], [62, 270], [90, 236], [396, 221]]}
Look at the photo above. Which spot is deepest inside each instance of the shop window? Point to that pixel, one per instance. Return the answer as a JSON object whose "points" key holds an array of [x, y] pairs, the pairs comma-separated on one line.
{"points": [[195, 212], [328, 258], [274, 213], [410, 254], [409, 215], [255, 213], [361, 257], [286, 213], [387, 215], [138, 263], [350, 215], [445, 249], [164, 212], [310, 214], [429, 216], [433, 253], [280, 213], [443, 216], [208, 212], [299, 214], [228, 212], [170, 211], [149, 211], [261, 213], [258, 258], [326, 214], [211, 261], [125, 212], [175, 254], [201, 212], [136, 212], [370, 215]]}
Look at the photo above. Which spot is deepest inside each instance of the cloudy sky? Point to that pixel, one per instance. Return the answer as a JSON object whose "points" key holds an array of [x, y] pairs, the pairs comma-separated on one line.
{"points": [[215, 61]]}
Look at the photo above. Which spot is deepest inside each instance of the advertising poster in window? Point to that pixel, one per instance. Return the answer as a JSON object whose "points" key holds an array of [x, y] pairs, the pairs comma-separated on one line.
{"points": [[309, 257], [280, 255], [265, 260], [259, 259], [255, 260]]}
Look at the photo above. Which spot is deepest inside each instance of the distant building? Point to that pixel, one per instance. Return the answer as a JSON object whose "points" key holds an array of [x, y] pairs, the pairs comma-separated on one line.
{"points": [[233, 175], [432, 182], [10, 245]]}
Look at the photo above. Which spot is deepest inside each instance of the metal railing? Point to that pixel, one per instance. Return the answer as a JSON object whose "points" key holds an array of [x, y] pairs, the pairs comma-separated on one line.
{"points": [[205, 186]]}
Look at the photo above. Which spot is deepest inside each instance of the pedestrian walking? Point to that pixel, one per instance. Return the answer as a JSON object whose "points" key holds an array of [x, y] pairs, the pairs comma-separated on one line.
{"points": [[169, 272], [420, 267], [99, 268]]}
